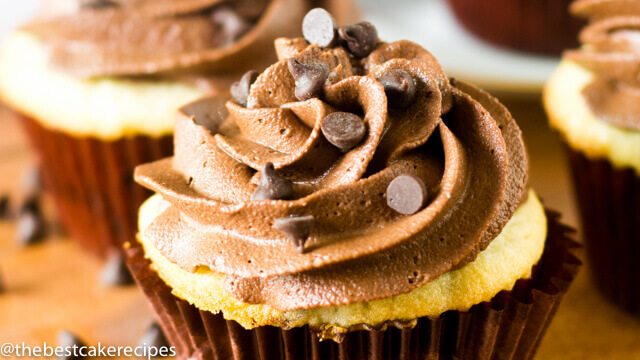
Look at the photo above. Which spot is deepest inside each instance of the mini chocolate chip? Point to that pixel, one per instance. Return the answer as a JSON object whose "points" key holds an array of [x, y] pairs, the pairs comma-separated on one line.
{"points": [[30, 226], [343, 130], [233, 25], [5, 207], [319, 27], [70, 343], [399, 87], [309, 78], [153, 338], [272, 186], [360, 38], [240, 89], [97, 4], [296, 228], [115, 271], [406, 194]]}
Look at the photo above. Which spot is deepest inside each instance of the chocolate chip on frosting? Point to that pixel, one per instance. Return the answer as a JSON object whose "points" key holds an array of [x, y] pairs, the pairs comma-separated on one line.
{"points": [[309, 78], [296, 228], [319, 27], [67, 341], [272, 186], [343, 130], [115, 272], [240, 89], [406, 194], [399, 87], [233, 25], [360, 38]]}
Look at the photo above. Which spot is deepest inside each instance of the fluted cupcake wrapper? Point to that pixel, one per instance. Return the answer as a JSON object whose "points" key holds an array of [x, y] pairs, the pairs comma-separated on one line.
{"points": [[510, 326], [540, 26], [91, 182], [609, 203]]}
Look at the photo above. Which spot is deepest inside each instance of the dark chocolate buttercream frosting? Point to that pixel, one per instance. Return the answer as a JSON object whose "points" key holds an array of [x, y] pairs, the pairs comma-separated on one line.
{"points": [[611, 49], [459, 141], [150, 37]]}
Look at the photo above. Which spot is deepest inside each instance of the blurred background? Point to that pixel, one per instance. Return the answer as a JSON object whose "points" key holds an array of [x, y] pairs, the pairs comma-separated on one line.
{"points": [[431, 23], [57, 284], [14, 13]]}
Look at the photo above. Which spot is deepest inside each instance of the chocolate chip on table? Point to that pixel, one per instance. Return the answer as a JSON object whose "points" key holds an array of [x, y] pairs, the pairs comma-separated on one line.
{"points": [[309, 78], [399, 87], [115, 271], [97, 4], [67, 341], [5, 207], [319, 27], [233, 25], [154, 338], [30, 225], [406, 194], [360, 38], [240, 89], [296, 228], [343, 130], [272, 186]]}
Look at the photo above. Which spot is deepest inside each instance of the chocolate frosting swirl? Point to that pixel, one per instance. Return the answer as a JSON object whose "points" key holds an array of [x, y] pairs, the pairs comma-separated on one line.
{"points": [[149, 37], [611, 49], [458, 140]]}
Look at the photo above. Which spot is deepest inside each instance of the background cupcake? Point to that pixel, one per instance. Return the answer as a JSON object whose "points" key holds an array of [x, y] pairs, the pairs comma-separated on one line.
{"points": [[285, 217], [541, 26], [592, 101], [97, 89]]}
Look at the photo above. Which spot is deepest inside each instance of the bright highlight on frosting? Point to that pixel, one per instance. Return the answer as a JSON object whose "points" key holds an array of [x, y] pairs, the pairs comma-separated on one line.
{"points": [[461, 145]]}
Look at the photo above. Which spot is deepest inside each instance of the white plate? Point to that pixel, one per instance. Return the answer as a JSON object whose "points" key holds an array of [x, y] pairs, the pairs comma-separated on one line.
{"points": [[431, 24]]}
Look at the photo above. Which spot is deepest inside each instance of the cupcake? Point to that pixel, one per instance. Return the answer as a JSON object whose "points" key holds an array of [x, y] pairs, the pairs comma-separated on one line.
{"points": [[97, 87], [592, 101], [350, 201], [541, 27]]}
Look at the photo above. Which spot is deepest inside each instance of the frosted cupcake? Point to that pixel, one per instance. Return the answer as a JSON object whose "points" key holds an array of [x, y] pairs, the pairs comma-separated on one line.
{"points": [[350, 193], [97, 90], [593, 102]]}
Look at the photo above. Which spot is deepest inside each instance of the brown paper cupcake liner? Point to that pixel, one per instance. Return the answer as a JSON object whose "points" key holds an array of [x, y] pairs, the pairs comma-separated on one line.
{"points": [[540, 26], [91, 182], [609, 203], [510, 326]]}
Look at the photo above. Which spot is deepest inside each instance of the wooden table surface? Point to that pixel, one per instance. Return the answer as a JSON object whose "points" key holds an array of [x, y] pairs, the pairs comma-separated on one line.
{"points": [[55, 286]]}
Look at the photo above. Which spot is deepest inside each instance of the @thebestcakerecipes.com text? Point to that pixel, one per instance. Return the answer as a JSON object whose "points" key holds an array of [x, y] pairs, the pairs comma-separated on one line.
{"points": [[46, 351]]}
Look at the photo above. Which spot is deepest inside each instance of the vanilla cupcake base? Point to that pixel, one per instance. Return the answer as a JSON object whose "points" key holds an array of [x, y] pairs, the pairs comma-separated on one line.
{"points": [[570, 115], [509, 257], [88, 136], [508, 326], [106, 108]]}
